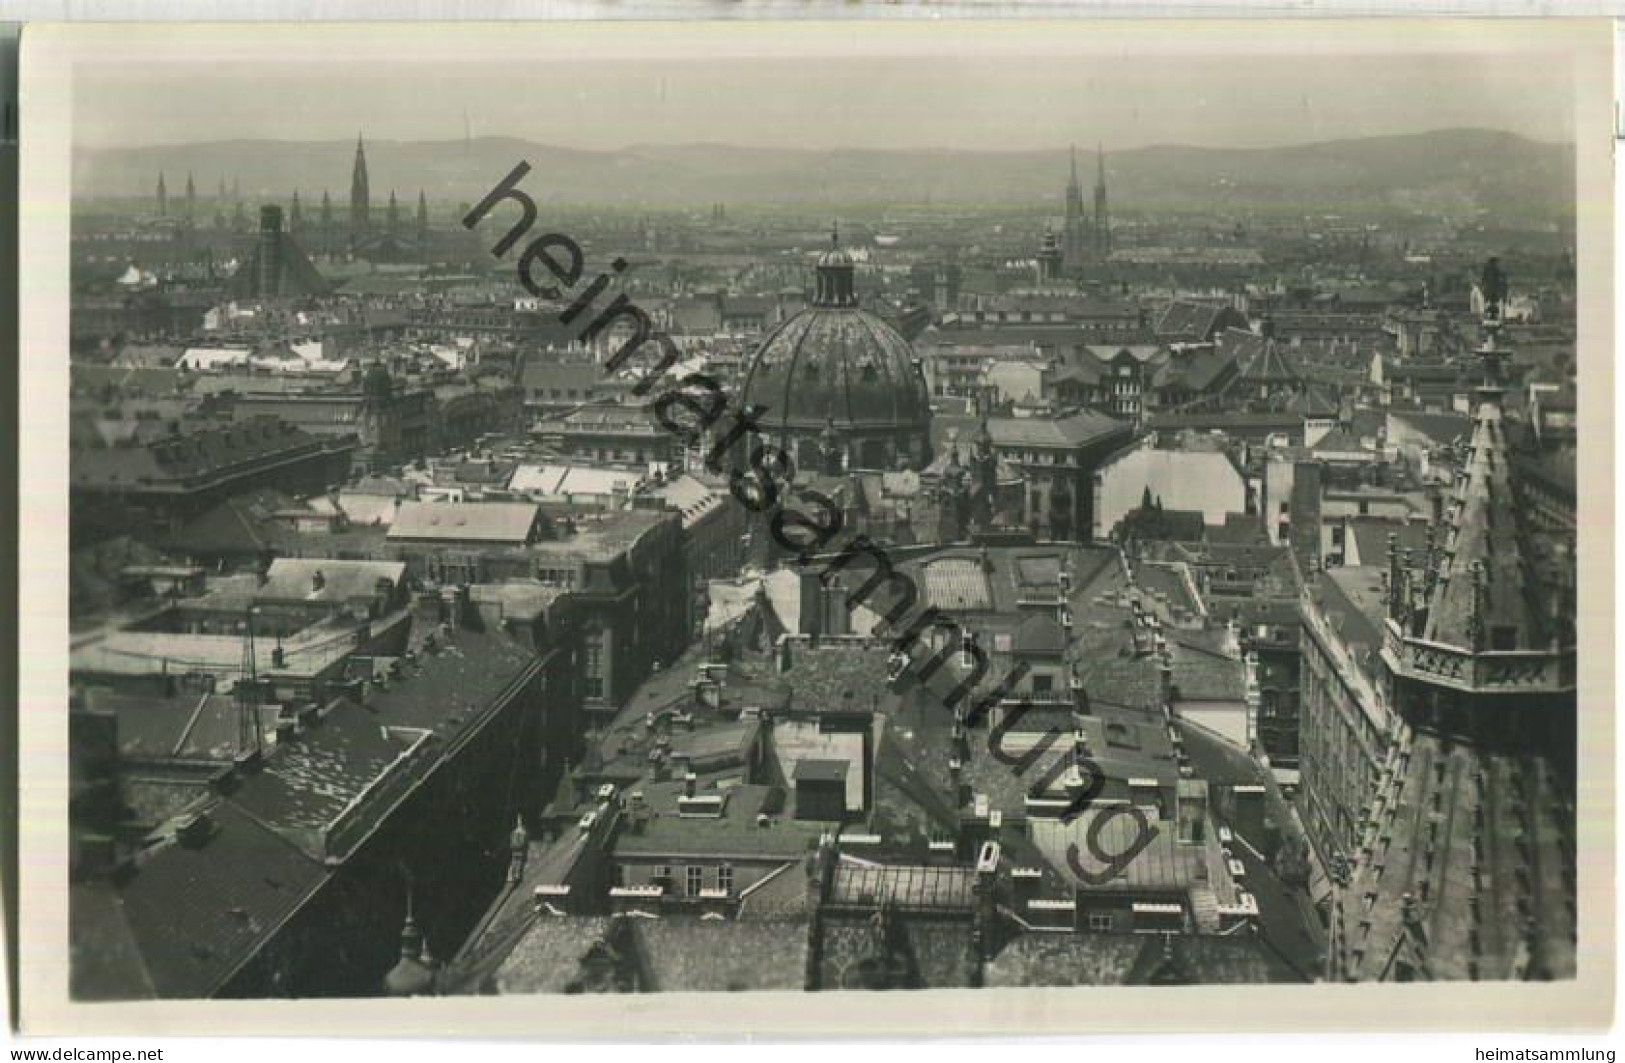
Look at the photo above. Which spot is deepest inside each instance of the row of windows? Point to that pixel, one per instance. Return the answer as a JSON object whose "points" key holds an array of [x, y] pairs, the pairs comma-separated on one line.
{"points": [[611, 454], [1036, 457], [565, 393], [593, 665], [694, 878]]}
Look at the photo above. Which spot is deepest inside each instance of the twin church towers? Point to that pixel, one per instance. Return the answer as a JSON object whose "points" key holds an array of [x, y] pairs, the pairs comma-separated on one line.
{"points": [[1086, 238]]}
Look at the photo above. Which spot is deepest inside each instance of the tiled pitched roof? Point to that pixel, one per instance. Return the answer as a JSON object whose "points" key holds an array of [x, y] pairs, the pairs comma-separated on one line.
{"points": [[707, 956], [193, 457], [198, 914], [307, 786], [549, 958]]}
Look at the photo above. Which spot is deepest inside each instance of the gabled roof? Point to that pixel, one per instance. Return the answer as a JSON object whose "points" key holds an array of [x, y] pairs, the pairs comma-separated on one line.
{"points": [[189, 459], [1271, 365], [1438, 427], [1202, 369], [1188, 319], [1073, 430], [198, 914], [237, 526], [292, 579], [1338, 441], [492, 522]]}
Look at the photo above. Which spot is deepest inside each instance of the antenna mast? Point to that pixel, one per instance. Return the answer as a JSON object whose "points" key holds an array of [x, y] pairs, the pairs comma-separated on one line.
{"points": [[247, 692]]}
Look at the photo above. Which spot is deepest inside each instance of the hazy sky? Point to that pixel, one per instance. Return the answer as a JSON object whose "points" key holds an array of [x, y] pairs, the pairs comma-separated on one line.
{"points": [[863, 102]]}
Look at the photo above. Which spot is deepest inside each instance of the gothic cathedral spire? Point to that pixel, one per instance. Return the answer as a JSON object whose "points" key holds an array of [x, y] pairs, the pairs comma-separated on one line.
{"points": [[1103, 225], [360, 195]]}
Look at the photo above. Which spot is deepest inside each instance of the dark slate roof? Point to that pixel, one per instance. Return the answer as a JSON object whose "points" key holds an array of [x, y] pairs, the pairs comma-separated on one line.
{"points": [[813, 770], [736, 833], [1340, 441], [307, 785], [1238, 529], [238, 526], [1183, 318], [1200, 675], [1040, 634], [461, 677], [295, 274], [105, 961], [193, 457], [1439, 427], [1110, 675], [1201, 370], [129, 380], [198, 914], [193, 727]]}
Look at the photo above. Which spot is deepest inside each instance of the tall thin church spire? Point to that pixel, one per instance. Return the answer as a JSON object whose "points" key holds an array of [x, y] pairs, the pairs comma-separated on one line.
{"points": [[1074, 237], [1103, 223], [360, 194]]}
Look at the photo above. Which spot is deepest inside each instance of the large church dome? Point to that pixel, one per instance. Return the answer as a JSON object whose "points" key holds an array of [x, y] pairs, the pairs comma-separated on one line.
{"points": [[840, 371]]}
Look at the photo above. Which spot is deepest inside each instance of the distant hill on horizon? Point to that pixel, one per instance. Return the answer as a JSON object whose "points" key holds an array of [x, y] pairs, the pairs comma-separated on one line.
{"points": [[1454, 172]]}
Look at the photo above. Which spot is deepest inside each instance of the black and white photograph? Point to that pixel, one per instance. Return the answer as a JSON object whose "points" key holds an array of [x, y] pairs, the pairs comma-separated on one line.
{"points": [[592, 510]]}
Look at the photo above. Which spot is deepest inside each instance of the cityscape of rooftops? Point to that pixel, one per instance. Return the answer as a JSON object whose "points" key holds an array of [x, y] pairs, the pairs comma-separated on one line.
{"points": [[777, 557]]}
